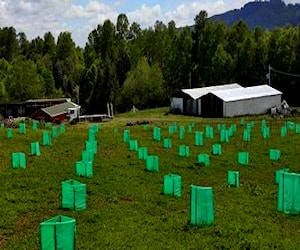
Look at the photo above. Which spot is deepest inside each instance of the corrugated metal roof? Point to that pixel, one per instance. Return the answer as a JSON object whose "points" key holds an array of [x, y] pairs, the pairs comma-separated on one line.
{"points": [[236, 94], [63, 99], [59, 108], [196, 93]]}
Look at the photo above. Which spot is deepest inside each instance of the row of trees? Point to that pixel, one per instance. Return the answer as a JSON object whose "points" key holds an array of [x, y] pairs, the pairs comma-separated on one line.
{"points": [[127, 65]]}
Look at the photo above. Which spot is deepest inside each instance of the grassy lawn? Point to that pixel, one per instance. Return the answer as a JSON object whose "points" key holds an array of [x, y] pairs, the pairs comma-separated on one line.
{"points": [[126, 208]]}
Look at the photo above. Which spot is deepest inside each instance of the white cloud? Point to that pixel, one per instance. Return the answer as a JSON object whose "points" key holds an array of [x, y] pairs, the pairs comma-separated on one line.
{"points": [[291, 1], [184, 14], [80, 17], [36, 17], [90, 10], [145, 15]]}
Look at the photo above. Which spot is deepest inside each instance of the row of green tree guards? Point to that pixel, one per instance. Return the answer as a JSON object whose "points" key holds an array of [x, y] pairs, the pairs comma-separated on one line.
{"points": [[225, 133], [232, 176], [18, 159], [55, 232], [183, 150], [59, 232], [201, 209]]}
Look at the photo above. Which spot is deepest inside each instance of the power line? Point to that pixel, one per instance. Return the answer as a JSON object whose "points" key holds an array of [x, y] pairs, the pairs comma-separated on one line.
{"points": [[279, 72], [284, 73]]}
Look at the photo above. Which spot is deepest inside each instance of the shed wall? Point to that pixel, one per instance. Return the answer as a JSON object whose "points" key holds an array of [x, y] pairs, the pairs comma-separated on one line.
{"points": [[211, 106], [41, 115], [199, 107], [191, 106], [177, 103], [253, 106]]}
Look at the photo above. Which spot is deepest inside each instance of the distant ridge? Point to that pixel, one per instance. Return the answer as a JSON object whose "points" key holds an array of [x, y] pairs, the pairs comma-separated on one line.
{"points": [[266, 14]]}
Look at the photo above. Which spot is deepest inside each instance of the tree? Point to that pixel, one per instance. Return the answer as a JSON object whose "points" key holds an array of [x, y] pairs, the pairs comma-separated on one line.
{"points": [[236, 35], [65, 46], [122, 26], [88, 83], [200, 23], [23, 81], [4, 73], [177, 62], [282, 56], [143, 87], [122, 61], [107, 40], [244, 68], [48, 79], [102, 77], [260, 66], [8, 43], [23, 44], [221, 65], [197, 51], [135, 29], [89, 53], [68, 65], [49, 44], [135, 44]]}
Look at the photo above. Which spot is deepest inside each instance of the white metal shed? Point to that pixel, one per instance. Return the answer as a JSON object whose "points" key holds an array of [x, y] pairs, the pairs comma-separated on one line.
{"points": [[241, 101], [191, 100]]}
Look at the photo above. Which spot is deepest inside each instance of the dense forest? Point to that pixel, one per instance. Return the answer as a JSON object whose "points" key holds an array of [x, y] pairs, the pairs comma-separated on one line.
{"points": [[126, 65]]}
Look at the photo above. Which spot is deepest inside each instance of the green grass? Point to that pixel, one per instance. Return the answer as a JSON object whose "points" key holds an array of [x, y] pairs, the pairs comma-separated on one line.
{"points": [[125, 205]]}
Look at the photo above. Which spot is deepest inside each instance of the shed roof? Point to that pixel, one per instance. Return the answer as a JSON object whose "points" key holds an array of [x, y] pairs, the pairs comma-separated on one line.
{"points": [[196, 93], [59, 108], [62, 99], [236, 94]]}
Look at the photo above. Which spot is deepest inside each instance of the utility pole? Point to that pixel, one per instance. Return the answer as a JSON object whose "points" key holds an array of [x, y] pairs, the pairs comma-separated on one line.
{"points": [[269, 75], [77, 93]]}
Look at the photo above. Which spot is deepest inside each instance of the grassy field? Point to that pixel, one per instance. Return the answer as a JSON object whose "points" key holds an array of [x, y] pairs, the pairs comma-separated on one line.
{"points": [[126, 208]]}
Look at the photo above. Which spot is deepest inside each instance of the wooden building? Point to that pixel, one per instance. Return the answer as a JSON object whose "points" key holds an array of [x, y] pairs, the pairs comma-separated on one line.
{"points": [[54, 114]]}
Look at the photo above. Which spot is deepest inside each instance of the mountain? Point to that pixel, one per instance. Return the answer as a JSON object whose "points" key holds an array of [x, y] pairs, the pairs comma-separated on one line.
{"points": [[266, 14]]}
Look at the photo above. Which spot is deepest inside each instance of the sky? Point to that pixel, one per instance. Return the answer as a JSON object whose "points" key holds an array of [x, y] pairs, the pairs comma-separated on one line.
{"points": [[80, 17]]}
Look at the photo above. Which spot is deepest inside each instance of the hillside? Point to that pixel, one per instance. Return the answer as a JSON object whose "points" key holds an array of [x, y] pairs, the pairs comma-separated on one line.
{"points": [[268, 14]]}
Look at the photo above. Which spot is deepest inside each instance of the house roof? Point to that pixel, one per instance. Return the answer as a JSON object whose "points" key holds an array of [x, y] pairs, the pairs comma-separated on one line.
{"points": [[59, 108], [236, 94], [196, 93], [63, 99]]}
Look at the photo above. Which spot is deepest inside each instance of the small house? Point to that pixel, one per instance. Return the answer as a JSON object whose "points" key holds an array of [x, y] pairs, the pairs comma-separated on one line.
{"points": [[56, 113], [33, 105]]}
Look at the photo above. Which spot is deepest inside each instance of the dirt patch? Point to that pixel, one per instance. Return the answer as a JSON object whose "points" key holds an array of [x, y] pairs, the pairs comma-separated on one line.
{"points": [[126, 200], [24, 222], [134, 123], [3, 242]]}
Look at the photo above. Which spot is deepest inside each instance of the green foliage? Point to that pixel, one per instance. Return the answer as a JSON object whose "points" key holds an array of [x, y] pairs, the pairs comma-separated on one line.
{"points": [[122, 25], [143, 87], [171, 58], [221, 64], [23, 82], [177, 60], [8, 43], [49, 44], [4, 72], [67, 68]]}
